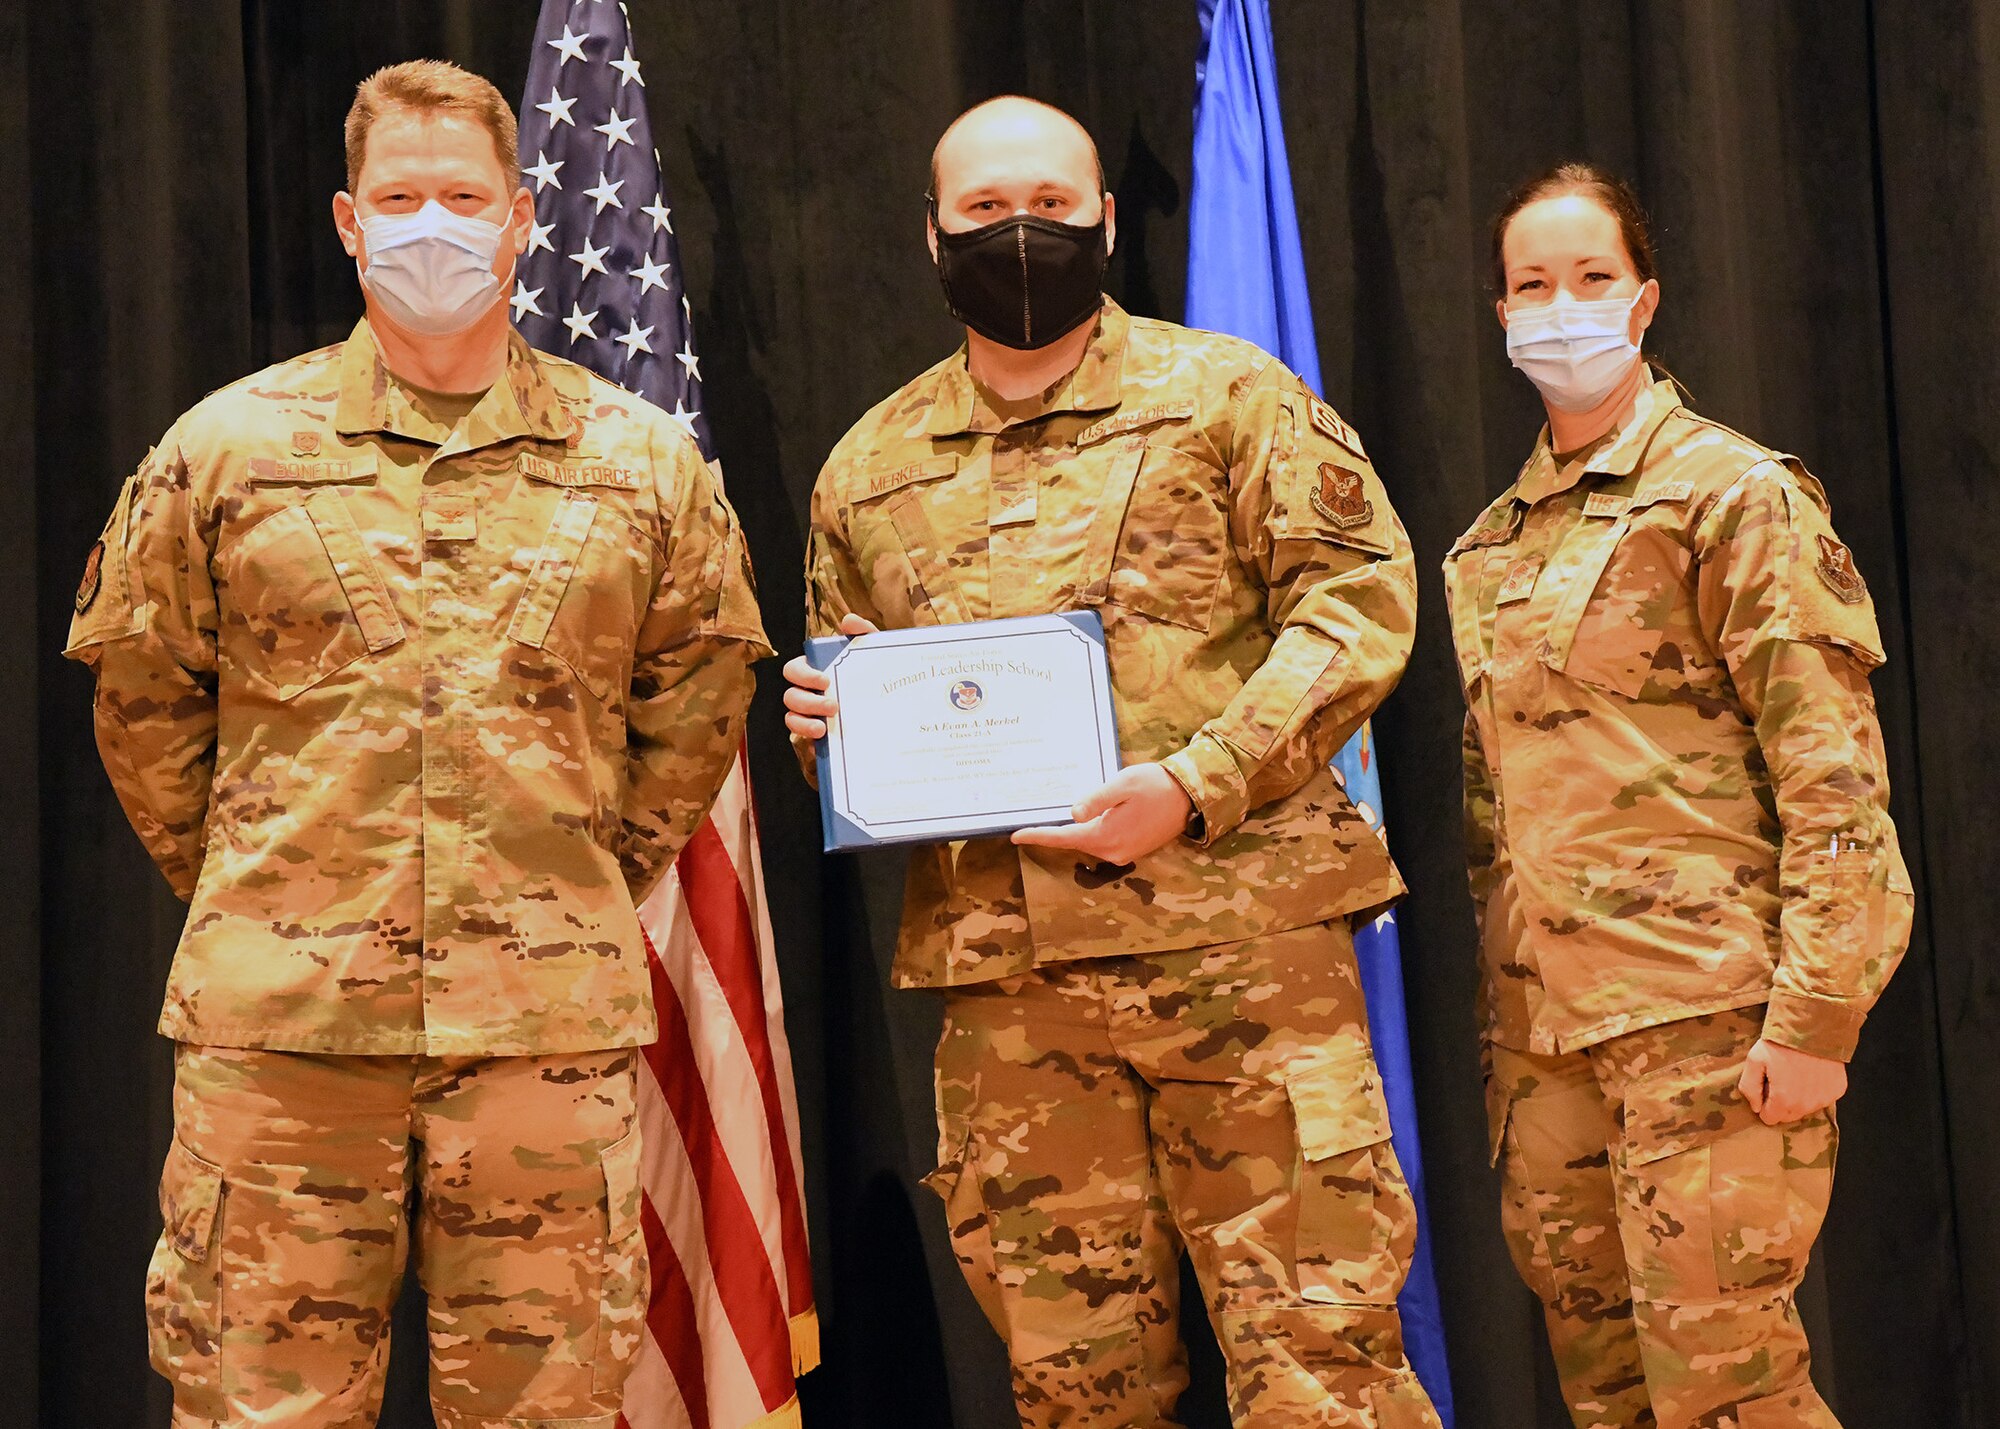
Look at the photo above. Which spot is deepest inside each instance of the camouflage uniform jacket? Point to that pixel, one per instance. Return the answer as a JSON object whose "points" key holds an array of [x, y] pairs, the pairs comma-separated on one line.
{"points": [[1675, 787], [415, 716], [1258, 599]]}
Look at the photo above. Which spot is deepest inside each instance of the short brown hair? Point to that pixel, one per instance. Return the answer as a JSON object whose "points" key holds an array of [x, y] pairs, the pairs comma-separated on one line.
{"points": [[1601, 187], [431, 87]]}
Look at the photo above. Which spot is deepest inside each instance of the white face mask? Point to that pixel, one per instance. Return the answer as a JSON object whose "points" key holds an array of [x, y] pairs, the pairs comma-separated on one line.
{"points": [[432, 269], [1576, 353]]}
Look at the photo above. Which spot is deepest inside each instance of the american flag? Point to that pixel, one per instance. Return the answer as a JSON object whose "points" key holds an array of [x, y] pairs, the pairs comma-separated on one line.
{"points": [[731, 1322]]}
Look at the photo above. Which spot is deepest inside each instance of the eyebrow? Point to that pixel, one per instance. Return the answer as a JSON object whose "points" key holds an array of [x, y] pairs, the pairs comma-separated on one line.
{"points": [[1042, 186]]}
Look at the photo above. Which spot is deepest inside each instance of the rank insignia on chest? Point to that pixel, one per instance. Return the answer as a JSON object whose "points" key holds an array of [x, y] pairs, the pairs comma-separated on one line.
{"points": [[305, 443], [1342, 498], [1836, 568], [93, 577], [1519, 582]]}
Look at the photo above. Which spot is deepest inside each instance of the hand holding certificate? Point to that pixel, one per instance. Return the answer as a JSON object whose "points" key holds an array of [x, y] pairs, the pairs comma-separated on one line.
{"points": [[961, 731]]}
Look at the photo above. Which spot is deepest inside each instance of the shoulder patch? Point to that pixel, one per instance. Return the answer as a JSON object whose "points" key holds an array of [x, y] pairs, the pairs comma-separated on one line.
{"points": [[1329, 424], [1118, 422], [93, 578], [1836, 568], [1342, 497]]}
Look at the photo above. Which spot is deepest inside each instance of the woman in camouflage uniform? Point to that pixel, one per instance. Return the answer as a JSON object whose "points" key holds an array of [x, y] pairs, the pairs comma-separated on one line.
{"points": [[1688, 886]]}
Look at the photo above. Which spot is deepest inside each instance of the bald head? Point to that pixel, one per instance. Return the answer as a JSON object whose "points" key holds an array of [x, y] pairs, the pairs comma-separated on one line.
{"points": [[1014, 155]]}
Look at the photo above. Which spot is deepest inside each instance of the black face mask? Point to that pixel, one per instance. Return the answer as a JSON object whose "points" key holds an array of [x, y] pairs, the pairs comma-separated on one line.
{"points": [[1025, 281]]}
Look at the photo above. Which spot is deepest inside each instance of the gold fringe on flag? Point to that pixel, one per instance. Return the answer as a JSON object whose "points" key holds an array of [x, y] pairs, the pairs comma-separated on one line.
{"points": [[805, 1342], [785, 1416]]}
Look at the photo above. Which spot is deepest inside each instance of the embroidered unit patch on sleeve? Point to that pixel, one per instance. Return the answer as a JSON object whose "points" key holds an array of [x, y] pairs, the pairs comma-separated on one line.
{"points": [[93, 578], [1836, 568], [1342, 498]]}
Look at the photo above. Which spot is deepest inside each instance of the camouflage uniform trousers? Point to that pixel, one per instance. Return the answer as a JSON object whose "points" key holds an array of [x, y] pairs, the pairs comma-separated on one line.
{"points": [[1096, 1116], [1665, 1227], [288, 1208]]}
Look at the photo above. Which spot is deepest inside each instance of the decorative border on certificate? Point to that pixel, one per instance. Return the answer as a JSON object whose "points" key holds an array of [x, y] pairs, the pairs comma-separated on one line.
{"points": [[1023, 727]]}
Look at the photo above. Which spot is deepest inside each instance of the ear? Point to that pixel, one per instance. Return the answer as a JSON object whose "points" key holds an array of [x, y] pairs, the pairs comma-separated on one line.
{"points": [[521, 217], [930, 233], [1500, 311], [1643, 308], [1110, 225], [347, 224]]}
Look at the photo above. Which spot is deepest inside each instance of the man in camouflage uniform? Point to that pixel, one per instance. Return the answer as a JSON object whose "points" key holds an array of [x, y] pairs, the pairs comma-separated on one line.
{"points": [[1685, 871], [418, 658], [1155, 1034]]}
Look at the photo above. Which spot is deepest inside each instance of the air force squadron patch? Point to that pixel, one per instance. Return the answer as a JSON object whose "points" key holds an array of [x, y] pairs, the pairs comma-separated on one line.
{"points": [[93, 578], [1342, 498], [1836, 568]]}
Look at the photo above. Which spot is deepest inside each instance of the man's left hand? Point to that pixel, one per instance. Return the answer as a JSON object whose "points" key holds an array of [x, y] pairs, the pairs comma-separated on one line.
{"points": [[1143, 808], [1784, 1084]]}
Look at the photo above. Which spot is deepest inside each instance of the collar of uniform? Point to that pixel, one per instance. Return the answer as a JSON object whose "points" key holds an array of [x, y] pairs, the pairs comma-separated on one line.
{"points": [[1091, 386], [1544, 476], [522, 403]]}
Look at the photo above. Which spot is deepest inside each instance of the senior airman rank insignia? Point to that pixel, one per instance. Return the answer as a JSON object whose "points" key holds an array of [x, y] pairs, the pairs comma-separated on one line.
{"points": [[1342, 498], [1836, 568], [93, 577]]}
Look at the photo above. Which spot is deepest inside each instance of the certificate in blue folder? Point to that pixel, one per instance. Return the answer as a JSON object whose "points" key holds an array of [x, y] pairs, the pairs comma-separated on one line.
{"points": [[963, 731]]}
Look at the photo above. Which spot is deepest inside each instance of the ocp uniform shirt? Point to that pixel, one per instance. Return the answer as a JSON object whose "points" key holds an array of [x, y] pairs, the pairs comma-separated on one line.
{"points": [[1258, 600], [1676, 795], [415, 716]]}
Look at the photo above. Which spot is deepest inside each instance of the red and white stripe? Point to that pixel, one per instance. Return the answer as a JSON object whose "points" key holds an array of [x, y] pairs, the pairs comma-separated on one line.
{"points": [[731, 1322]]}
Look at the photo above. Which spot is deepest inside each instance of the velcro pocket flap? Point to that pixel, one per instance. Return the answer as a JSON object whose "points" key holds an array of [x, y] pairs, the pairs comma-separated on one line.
{"points": [[1683, 1106], [1339, 1107], [954, 1147], [620, 1161], [190, 1198], [561, 550], [373, 610]]}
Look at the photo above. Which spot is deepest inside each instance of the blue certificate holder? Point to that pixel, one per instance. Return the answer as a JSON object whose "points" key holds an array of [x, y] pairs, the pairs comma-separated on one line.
{"points": [[963, 731]]}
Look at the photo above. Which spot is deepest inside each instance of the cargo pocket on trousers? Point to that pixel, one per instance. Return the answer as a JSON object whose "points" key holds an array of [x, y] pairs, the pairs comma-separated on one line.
{"points": [[184, 1284], [1800, 1408], [1401, 1403], [1727, 1205], [956, 1182], [1356, 1222], [623, 1288]]}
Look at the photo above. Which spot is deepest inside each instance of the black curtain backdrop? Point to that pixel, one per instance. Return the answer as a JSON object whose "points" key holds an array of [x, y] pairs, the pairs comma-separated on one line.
{"points": [[1823, 174]]}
